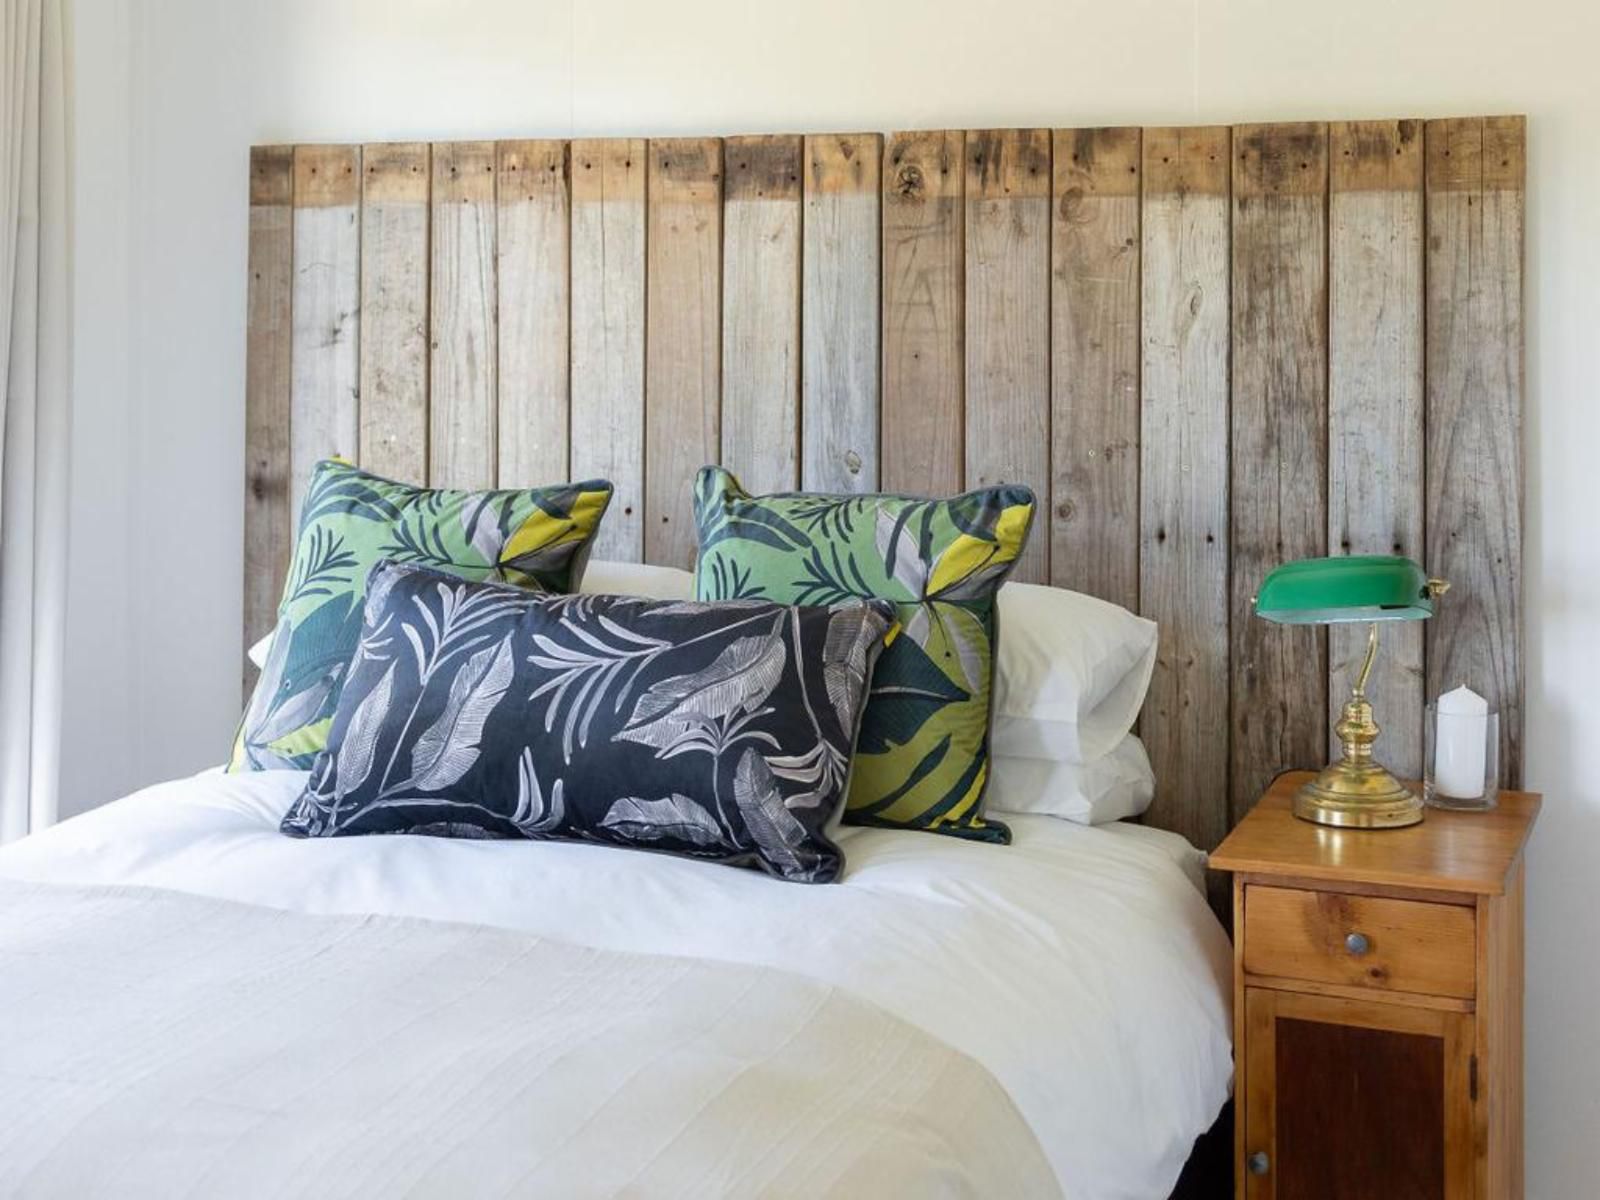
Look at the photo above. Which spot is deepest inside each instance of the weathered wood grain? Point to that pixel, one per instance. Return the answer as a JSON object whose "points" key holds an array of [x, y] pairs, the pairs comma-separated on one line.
{"points": [[1094, 376], [761, 311], [608, 271], [1475, 169], [462, 411], [531, 248], [1008, 323], [324, 414], [683, 352], [839, 321], [923, 320], [268, 531], [394, 310], [1279, 448], [1183, 524], [1375, 469]]}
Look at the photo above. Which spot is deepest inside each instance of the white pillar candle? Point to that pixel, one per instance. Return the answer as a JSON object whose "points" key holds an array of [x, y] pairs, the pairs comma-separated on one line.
{"points": [[1459, 744]]}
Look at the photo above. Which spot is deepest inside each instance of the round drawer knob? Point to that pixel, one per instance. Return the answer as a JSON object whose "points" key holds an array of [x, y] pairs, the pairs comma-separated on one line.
{"points": [[1357, 943], [1258, 1163]]}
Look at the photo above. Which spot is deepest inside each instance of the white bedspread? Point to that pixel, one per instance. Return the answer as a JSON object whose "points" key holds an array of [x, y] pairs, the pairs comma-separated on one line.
{"points": [[259, 1053], [1080, 966]]}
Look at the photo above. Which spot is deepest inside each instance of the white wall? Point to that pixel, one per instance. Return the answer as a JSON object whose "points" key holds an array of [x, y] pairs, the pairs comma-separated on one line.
{"points": [[174, 91]]}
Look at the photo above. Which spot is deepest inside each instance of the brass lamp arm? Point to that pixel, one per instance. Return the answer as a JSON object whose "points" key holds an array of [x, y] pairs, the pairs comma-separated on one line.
{"points": [[1360, 688]]}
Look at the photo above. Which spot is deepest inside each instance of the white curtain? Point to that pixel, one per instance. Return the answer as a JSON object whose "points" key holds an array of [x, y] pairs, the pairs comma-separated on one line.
{"points": [[35, 426]]}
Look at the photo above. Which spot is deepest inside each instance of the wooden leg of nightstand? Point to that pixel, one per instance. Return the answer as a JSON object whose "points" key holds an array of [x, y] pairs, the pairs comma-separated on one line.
{"points": [[1239, 1113], [1498, 1115]]}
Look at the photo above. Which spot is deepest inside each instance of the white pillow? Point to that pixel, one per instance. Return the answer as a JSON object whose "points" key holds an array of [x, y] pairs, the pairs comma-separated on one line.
{"points": [[258, 653], [600, 578], [1113, 787], [1071, 675]]}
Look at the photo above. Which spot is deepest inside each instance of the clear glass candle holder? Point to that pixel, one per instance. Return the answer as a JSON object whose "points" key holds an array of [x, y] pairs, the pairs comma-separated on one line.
{"points": [[1461, 759]]}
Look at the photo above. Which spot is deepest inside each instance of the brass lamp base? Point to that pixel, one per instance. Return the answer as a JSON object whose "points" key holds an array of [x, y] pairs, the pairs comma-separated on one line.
{"points": [[1355, 792], [1357, 796]]}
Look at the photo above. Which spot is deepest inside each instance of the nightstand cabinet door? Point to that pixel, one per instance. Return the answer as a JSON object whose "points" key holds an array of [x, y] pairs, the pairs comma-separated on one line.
{"points": [[1356, 1100]]}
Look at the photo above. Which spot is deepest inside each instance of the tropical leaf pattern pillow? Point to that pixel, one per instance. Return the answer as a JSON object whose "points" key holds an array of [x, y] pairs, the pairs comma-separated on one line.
{"points": [[922, 760], [350, 520], [718, 731]]}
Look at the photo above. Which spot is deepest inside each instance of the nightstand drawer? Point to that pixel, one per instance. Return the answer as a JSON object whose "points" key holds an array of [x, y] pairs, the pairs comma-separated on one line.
{"points": [[1360, 941]]}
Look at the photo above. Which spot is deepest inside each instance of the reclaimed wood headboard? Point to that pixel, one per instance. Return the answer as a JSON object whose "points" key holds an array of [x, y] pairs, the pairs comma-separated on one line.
{"points": [[1207, 349]]}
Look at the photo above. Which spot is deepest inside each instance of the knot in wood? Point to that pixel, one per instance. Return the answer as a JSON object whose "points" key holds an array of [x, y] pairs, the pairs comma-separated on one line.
{"points": [[908, 181], [1072, 207]]}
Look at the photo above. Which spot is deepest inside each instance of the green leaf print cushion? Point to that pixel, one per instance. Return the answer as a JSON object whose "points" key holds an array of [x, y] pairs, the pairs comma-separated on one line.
{"points": [[922, 758], [536, 538]]}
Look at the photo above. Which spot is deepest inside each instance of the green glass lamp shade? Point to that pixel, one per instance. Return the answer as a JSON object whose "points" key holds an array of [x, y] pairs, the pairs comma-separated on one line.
{"points": [[1357, 587]]}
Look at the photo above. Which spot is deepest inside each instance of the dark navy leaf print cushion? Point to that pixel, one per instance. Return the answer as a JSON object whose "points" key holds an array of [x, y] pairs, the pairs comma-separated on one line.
{"points": [[716, 730]]}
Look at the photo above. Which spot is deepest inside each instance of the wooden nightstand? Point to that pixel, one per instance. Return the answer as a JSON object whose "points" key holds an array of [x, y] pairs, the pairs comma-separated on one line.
{"points": [[1378, 1004]]}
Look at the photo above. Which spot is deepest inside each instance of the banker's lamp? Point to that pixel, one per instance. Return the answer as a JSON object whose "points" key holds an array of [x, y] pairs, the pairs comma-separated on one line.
{"points": [[1356, 791]]}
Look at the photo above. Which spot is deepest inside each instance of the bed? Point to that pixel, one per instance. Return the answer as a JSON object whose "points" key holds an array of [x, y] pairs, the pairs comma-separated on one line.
{"points": [[920, 314], [1064, 1005]]}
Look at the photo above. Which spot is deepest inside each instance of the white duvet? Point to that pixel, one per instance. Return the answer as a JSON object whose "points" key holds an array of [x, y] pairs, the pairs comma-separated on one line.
{"points": [[1079, 966]]}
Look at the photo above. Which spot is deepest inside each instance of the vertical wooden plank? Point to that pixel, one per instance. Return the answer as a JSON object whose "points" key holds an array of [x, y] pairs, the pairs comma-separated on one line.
{"points": [[1183, 524], [268, 531], [761, 312], [608, 265], [1008, 322], [394, 310], [1094, 377], [1475, 171], [683, 351], [531, 245], [324, 416], [922, 418], [462, 410], [839, 301], [1279, 444], [1375, 477]]}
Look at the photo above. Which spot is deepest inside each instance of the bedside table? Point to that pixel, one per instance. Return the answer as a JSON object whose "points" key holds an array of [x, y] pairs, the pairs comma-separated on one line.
{"points": [[1378, 1003]]}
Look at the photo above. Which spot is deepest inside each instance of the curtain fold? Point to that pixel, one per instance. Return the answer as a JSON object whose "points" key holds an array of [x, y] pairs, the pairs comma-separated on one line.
{"points": [[35, 419]]}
